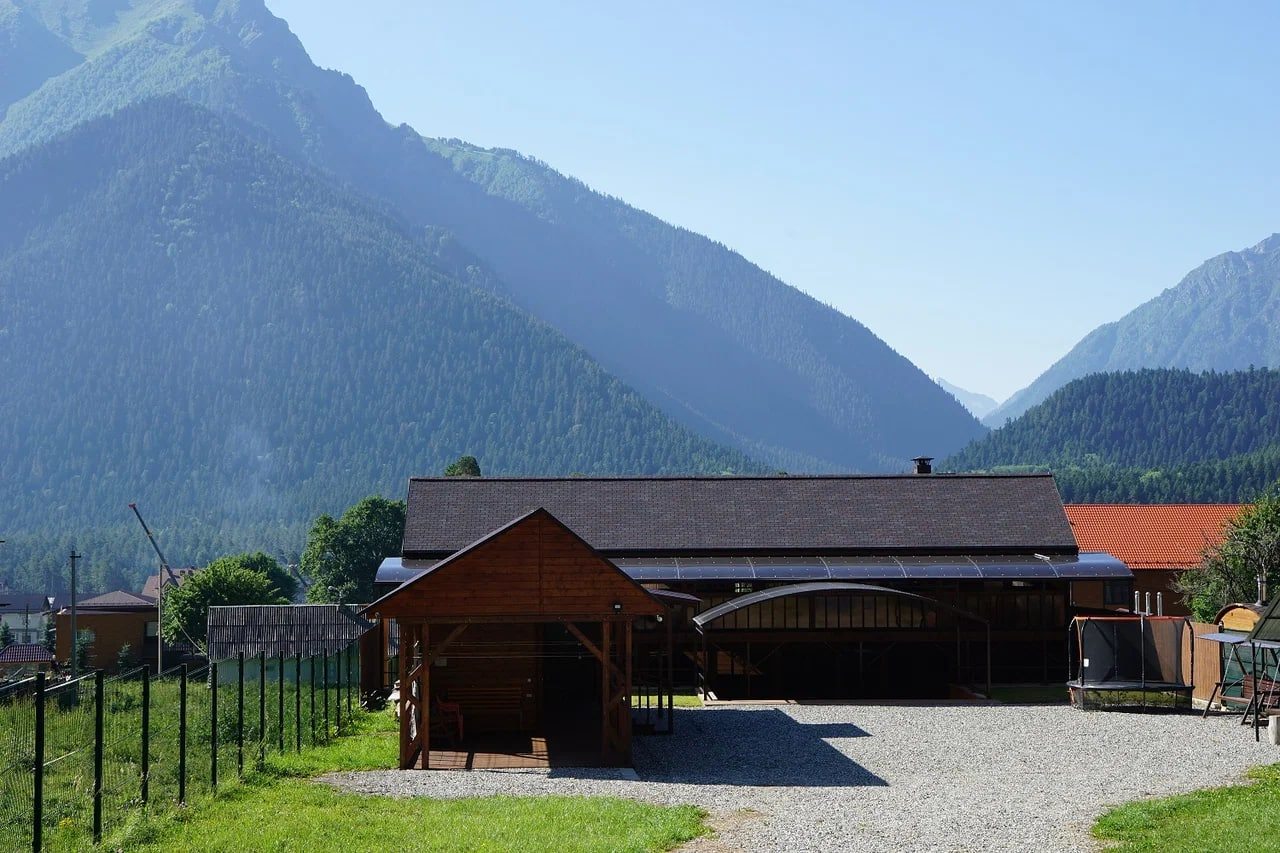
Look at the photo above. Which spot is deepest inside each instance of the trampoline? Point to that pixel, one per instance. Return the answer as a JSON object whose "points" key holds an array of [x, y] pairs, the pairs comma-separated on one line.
{"points": [[1129, 662]]}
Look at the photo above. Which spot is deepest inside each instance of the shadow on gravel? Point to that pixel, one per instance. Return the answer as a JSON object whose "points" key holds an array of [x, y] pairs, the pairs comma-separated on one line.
{"points": [[764, 747]]}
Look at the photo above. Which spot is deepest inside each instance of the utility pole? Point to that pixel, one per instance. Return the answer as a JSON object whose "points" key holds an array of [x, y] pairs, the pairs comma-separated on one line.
{"points": [[75, 663], [164, 571]]}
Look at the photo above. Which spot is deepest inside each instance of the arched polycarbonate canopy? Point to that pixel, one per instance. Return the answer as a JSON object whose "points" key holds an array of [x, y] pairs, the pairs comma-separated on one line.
{"points": [[751, 598]]}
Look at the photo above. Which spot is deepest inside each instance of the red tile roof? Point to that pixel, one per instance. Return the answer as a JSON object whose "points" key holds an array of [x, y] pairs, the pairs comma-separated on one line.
{"points": [[1151, 536], [24, 653]]}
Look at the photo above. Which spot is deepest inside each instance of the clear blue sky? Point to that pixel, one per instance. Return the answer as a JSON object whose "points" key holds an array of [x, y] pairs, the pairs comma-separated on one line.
{"points": [[980, 184]]}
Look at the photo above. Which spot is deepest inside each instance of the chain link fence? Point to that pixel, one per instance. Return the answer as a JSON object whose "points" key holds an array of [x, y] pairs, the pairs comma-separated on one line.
{"points": [[78, 758]]}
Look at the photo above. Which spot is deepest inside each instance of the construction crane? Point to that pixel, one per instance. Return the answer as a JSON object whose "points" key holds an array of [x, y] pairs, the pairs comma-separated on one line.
{"points": [[164, 571]]}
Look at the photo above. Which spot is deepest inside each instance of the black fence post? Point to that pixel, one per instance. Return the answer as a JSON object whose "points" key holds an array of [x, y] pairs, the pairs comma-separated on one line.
{"points": [[280, 709], [37, 805], [311, 682], [146, 732], [213, 723], [99, 679], [262, 709], [297, 698], [326, 696], [350, 679], [182, 734], [240, 717], [337, 695]]}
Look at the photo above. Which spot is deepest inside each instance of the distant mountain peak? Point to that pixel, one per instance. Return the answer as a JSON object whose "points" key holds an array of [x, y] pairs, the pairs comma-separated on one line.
{"points": [[1223, 315], [979, 405]]}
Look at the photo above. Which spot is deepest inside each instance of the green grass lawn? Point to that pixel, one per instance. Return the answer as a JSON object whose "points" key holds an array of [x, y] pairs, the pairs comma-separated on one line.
{"points": [[1239, 817], [681, 700], [281, 809]]}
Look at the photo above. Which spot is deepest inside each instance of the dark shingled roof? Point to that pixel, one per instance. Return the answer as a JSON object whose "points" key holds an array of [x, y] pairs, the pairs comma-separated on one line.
{"points": [[24, 653], [289, 629], [919, 514]]}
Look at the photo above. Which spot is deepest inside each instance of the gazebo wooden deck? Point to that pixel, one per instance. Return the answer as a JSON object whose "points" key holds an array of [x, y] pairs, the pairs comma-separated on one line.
{"points": [[492, 670]]}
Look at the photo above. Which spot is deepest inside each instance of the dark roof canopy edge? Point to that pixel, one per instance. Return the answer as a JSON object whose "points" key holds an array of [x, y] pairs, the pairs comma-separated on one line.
{"points": [[722, 610]]}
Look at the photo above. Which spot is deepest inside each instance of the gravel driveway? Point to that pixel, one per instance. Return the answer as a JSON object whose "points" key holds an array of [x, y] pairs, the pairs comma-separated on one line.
{"points": [[885, 777]]}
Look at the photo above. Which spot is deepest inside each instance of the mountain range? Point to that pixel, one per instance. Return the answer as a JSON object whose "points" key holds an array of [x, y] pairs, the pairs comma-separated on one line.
{"points": [[1146, 436], [231, 291], [711, 339], [1224, 315]]}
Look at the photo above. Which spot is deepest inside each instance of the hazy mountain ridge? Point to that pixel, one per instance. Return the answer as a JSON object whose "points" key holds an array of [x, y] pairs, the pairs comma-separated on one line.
{"points": [[979, 405], [1146, 435], [244, 343], [1223, 315], [717, 342]]}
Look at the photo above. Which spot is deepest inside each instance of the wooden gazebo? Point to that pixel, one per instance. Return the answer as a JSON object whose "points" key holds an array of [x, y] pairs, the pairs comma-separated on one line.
{"points": [[478, 640]]}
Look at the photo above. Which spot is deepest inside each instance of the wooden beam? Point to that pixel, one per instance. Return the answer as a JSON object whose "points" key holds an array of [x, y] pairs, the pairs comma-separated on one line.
{"points": [[444, 644], [424, 699], [591, 647], [582, 638], [605, 691], [624, 707], [405, 645]]}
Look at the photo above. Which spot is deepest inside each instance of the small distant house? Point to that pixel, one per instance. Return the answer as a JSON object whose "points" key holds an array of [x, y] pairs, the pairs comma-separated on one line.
{"points": [[114, 619], [25, 614], [24, 657], [119, 617], [1157, 541]]}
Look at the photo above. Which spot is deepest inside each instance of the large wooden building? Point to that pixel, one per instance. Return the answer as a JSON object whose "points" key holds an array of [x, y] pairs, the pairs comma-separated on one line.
{"points": [[877, 587]]}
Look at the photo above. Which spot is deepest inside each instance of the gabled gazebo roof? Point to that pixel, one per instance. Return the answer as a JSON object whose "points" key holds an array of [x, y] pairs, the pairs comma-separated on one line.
{"points": [[533, 568]]}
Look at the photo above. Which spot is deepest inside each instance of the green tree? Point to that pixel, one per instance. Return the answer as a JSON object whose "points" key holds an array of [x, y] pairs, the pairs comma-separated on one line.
{"points": [[125, 658], [225, 582], [84, 648], [264, 564], [343, 556], [1230, 571], [465, 466], [6, 635]]}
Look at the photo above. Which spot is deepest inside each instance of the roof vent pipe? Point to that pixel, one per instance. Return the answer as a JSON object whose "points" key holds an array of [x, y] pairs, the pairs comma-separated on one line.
{"points": [[922, 464]]}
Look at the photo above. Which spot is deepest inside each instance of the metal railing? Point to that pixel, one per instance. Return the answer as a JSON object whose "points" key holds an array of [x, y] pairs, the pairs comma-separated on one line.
{"points": [[77, 758]]}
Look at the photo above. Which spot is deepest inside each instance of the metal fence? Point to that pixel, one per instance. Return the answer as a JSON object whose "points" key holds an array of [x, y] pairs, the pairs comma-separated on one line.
{"points": [[78, 758]]}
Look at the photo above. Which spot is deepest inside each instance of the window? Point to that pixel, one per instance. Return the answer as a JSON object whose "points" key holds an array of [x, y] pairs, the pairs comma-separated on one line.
{"points": [[1117, 593], [153, 628], [741, 588]]}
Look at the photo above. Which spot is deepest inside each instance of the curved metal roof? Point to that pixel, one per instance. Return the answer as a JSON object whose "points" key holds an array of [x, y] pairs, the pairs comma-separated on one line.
{"points": [[721, 610]]}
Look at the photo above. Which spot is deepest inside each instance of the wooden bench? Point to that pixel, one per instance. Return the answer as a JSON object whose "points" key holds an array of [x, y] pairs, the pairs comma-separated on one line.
{"points": [[485, 701]]}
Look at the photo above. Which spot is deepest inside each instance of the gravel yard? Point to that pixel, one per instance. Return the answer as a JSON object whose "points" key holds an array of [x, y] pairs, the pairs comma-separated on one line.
{"points": [[884, 777]]}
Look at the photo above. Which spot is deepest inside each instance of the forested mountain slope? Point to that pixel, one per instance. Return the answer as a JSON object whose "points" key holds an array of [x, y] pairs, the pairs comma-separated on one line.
{"points": [[1224, 315], [191, 321], [1146, 435], [714, 340]]}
